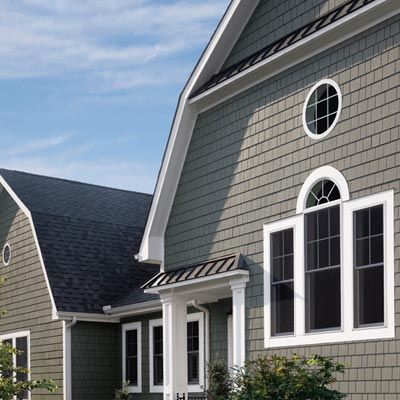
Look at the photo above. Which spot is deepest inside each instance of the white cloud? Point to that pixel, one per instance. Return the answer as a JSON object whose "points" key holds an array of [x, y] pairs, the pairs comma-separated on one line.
{"points": [[101, 37], [35, 145]]}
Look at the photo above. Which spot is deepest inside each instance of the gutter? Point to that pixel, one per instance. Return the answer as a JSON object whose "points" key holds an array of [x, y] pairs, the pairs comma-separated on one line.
{"points": [[131, 309]]}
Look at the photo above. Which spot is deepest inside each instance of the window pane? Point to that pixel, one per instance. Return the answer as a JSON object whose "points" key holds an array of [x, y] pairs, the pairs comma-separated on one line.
{"points": [[369, 296], [277, 244], [377, 249], [323, 224], [312, 227], [288, 241], [312, 256], [132, 371], [323, 253], [334, 221], [282, 308], [323, 299], [362, 252], [334, 251], [193, 368], [288, 265], [362, 223], [158, 372], [333, 104], [377, 220], [277, 269]]}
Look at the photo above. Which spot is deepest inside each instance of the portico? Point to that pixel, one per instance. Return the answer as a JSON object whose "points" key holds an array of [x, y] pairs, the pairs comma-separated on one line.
{"points": [[202, 283]]}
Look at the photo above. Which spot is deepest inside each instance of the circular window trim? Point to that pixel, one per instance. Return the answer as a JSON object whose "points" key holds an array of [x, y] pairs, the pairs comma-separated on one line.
{"points": [[7, 245], [331, 82]]}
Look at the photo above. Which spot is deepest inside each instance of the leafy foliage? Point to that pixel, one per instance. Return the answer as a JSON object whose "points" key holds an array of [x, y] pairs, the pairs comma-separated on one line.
{"points": [[277, 377], [10, 386], [220, 382], [122, 394]]}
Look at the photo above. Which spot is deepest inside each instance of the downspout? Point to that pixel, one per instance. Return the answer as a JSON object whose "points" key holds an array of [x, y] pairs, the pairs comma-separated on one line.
{"points": [[206, 312], [68, 358]]}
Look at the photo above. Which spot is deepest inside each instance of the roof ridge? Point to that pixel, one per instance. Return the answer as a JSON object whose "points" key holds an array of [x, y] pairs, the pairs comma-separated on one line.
{"points": [[86, 219], [279, 44], [75, 181]]}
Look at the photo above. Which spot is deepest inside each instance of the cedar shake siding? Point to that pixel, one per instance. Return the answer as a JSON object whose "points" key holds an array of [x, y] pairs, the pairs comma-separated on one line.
{"points": [[274, 19], [26, 298], [96, 360], [250, 155]]}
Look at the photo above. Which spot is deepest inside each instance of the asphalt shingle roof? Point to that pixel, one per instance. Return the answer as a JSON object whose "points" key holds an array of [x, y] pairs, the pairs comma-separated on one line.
{"points": [[88, 235]]}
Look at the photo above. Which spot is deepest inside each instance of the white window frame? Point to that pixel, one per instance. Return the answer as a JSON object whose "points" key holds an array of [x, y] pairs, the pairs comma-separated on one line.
{"points": [[347, 332], [331, 82], [153, 324], [191, 388], [14, 336], [131, 327]]}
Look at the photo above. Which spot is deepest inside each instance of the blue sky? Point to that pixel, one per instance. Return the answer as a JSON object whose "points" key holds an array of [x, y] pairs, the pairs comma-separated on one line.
{"points": [[88, 88]]}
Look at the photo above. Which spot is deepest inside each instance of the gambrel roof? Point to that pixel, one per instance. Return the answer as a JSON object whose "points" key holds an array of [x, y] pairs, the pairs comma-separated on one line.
{"points": [[210, 85], [88, 236]]}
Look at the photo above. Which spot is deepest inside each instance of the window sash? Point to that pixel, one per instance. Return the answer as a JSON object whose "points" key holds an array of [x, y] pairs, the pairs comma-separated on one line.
{"points": [[348, 331], [132, 356]]}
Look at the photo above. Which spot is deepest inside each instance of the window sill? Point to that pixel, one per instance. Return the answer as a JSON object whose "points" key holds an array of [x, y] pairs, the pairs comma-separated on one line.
{"points": [[134, 389], [370, 333], [156, 389]]}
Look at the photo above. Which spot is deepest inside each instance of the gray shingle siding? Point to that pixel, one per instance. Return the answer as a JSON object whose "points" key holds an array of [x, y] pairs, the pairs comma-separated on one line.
{"points": [[25, 297], [249, 157], [96, 360], [272, 20]]}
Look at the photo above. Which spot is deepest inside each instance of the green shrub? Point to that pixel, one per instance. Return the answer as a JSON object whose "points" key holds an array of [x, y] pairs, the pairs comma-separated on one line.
{"points": [[122, 394], [294, 378], [277, 378], [220, 382]]}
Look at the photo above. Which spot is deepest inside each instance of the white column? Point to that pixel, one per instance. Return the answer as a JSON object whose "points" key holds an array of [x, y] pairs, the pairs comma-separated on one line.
{"points": [[239, 321], [175, 346]]}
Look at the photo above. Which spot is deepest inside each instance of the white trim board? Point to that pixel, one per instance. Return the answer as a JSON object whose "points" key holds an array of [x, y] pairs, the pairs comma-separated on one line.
{"points": [[152, 246]]}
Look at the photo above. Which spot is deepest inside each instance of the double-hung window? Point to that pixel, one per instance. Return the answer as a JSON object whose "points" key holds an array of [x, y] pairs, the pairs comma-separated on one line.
{"points": [[21, 342], [329, 271], [132, 356], [195, 354]]}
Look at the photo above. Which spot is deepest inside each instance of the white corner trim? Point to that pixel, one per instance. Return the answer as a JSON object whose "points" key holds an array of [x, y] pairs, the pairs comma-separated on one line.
{"points": [[332, 83], [219, 47], [325, 172], [152, 324], [130, 327], [28, 214], [348, 331]]}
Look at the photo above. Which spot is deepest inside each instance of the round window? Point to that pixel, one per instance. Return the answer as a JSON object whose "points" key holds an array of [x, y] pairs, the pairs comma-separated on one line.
{"points": [[322, 109], [6, 254]]}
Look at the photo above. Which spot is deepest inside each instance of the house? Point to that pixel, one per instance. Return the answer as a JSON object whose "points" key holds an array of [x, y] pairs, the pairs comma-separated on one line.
{"points": [[273, 228], [285, 149], [67, 251]]}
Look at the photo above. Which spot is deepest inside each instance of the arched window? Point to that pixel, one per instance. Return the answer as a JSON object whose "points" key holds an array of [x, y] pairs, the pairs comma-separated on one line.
{"points": [[329, 270]]}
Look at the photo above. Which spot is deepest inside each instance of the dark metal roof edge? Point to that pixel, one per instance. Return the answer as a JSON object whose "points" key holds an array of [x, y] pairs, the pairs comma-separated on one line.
{"points": [[239, 259], [234, 69]]}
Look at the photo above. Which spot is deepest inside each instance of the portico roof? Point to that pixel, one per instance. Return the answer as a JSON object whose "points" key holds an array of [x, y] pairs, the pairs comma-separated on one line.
{"points": [[198, 271]]}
